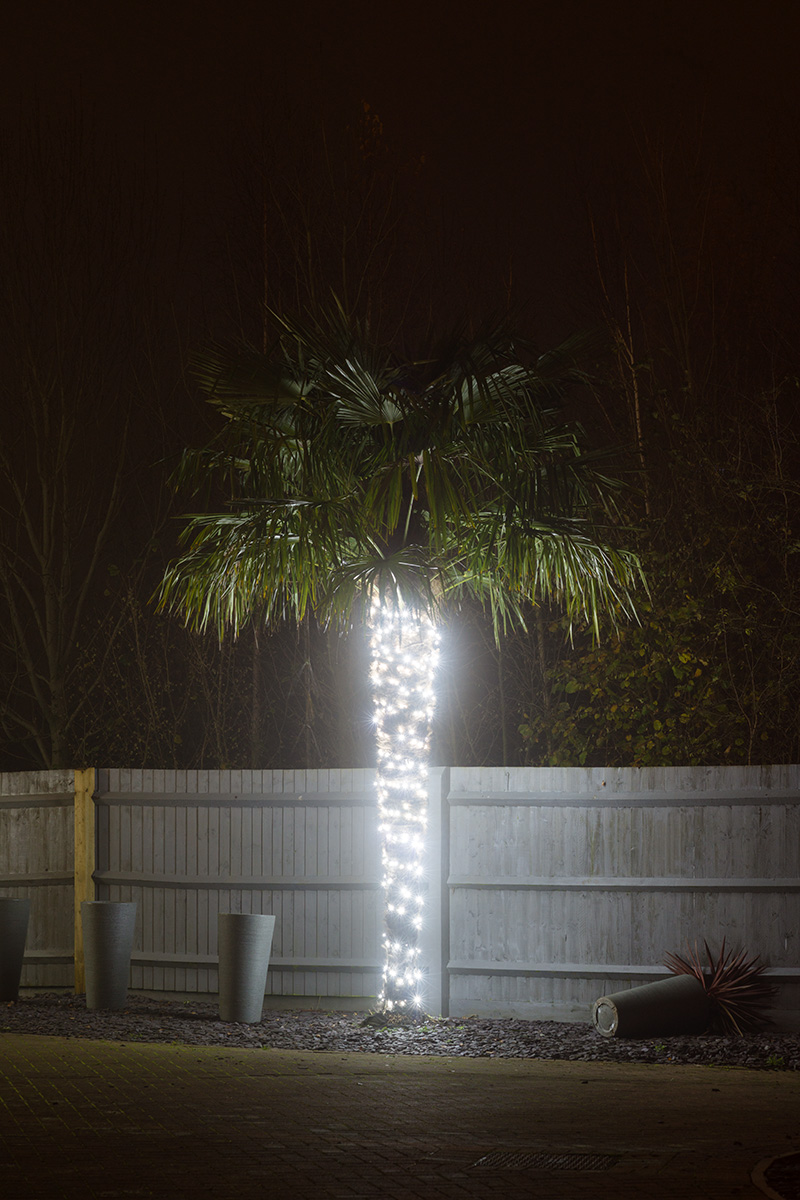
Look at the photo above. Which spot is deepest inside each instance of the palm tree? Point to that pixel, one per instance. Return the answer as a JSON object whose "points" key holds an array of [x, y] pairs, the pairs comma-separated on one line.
{"points": [[360, 484]]}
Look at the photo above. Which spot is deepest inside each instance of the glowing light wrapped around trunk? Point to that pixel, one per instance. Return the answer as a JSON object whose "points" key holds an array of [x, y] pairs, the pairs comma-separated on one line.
{"points": [[404, 648]]}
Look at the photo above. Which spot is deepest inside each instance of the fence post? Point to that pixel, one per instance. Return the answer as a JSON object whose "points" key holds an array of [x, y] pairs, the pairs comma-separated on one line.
{"points": [[84, 863], [436, 931], [444, 888]]}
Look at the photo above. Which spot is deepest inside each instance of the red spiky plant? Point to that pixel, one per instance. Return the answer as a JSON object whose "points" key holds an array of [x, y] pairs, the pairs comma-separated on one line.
{"points": [[734, 983]]}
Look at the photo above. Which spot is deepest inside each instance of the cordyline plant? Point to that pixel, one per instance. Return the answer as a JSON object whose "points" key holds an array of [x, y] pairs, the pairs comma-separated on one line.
{"points": [[355, 482], [734, 984]]}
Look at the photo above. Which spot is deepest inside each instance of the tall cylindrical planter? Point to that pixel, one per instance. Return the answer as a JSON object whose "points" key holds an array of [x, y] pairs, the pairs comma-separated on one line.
{"points": [[108, 928], [14, 916], [663, 1009], [245, 942]]}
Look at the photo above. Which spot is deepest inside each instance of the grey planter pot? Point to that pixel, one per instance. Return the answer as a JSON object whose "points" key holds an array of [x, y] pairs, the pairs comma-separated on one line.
{"points": [[667, 1008], [245, 942], [108, 928], [14, 917]]}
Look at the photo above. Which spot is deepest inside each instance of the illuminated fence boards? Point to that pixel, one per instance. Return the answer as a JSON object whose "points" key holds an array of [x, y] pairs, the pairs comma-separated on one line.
{"points": [[546, 887], [567, 883], [301, 845]]}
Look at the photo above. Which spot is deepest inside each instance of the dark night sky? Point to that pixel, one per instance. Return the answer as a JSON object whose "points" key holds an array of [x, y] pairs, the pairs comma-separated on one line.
{"points": [[442, 73], [527, 115], [520, 110]]}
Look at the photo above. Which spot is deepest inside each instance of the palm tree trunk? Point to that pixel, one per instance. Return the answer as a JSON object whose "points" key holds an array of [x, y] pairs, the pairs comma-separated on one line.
{"points": [[404, 656]]}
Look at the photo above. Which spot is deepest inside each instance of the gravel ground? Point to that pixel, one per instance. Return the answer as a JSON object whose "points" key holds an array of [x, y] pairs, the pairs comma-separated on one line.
{"points": [[197, 1023]]}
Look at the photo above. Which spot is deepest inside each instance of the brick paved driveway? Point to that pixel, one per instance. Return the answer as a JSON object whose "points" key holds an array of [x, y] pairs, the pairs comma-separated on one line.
{"points": [[92, 1120]]}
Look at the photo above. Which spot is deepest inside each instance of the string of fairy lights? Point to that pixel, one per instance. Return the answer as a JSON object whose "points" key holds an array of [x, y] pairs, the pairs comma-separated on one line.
{"points": [[404, 646]]}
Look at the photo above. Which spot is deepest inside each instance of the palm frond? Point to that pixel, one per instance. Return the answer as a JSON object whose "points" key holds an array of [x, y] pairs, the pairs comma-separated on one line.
{"points": [[244, 379], [345, 473]]}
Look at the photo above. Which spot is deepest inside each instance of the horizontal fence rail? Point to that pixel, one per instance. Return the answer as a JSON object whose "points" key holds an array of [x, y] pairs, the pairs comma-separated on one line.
{"points": [[547, 887]]}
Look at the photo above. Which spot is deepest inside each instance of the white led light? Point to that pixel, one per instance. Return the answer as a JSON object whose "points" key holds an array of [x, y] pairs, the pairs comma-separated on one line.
{"points": [[404, 658]]}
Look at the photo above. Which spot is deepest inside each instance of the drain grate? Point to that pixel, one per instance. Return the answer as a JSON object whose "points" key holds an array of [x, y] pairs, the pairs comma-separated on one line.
{"points": [[509, 1160]]}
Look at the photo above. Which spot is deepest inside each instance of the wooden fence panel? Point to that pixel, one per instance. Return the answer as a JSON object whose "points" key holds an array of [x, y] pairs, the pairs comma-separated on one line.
{"points": [[37, 863], [565, 884], [548, 886], [301, 845]]}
